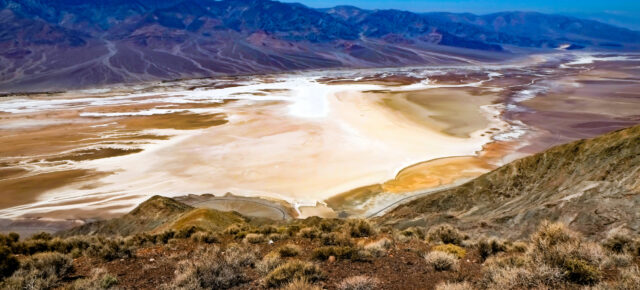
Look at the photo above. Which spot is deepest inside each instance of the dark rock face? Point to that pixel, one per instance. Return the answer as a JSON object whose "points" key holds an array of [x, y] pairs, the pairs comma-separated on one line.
{"points": [[592, 185], [47, 44]]}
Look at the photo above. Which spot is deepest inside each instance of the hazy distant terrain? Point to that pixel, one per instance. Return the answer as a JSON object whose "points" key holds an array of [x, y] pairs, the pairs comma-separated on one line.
{"points": [[49, 45]]}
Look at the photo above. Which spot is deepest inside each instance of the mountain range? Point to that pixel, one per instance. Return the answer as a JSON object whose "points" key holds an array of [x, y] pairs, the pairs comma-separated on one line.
{"points": [[49, 45]]}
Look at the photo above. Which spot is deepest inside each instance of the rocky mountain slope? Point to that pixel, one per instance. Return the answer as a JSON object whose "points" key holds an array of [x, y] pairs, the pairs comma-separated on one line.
{"points": [[592, 185], [46, 45]]}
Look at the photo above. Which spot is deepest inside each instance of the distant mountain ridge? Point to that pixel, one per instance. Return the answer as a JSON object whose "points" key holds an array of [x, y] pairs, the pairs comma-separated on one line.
{"points": [[72, 43]]}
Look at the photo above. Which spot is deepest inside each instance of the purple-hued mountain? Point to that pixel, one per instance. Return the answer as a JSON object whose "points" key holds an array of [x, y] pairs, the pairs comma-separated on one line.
{"points": [[47, 45]]}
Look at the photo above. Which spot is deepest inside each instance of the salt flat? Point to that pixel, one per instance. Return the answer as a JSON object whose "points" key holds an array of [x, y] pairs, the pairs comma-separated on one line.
{"points": [[303, 137]]}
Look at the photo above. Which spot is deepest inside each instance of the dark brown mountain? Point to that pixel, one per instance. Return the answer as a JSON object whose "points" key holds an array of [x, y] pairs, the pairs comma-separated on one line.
{"points": [[46, 45]]}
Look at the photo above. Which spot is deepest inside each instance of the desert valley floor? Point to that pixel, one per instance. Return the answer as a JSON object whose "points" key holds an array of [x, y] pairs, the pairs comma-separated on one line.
{"points": [[342, 142]]}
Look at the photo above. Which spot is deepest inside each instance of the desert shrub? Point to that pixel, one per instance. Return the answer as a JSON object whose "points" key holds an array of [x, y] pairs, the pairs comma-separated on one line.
{"points": [[99, 279], [581, 272], [254, 238], [488, 247], [457, 251], [309, 233], [164, 237], [360, 228], [41, 236], [620, 242], [289, 250], [291, 271], [379, 247], [618, 261], [300, 284], [341, 252], [629, 279], [445, 234], [454, 286], [269, 262], [243, 256], [267, 229], [40, 271], [292, 230], [278, 237], [551, 234], [359, 283], [111, 249], [186, 232], [205, 237], [8, 262], [30, 247], [518, 247], [329, 225], [335, 239], [441, 261], [212, 268], [413, 232], [508, 261], [234, 229], [543, 276]]}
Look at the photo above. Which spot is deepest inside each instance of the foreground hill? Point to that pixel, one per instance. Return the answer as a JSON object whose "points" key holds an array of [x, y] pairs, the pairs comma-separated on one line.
{"points": [[592, 185], [48, 45]]}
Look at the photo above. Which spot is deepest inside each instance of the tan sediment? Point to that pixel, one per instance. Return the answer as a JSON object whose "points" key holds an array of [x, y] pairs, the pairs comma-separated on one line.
{"points": [[180, 121], [22, 190], [436, 173], [454, 111], [7, 172], [90, 154]]}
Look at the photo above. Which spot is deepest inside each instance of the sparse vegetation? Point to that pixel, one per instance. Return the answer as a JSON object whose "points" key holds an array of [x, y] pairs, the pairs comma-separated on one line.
{"points": [[289, 250], [553, 257], [445, 234], [359, 283], [293, 270], [457, 251], [441, 261], [360, 228]]}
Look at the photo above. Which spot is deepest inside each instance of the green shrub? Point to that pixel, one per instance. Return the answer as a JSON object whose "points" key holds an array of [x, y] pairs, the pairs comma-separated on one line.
{"points": [[445, 234], [8, 263], [291, 271], [580, 272]]}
